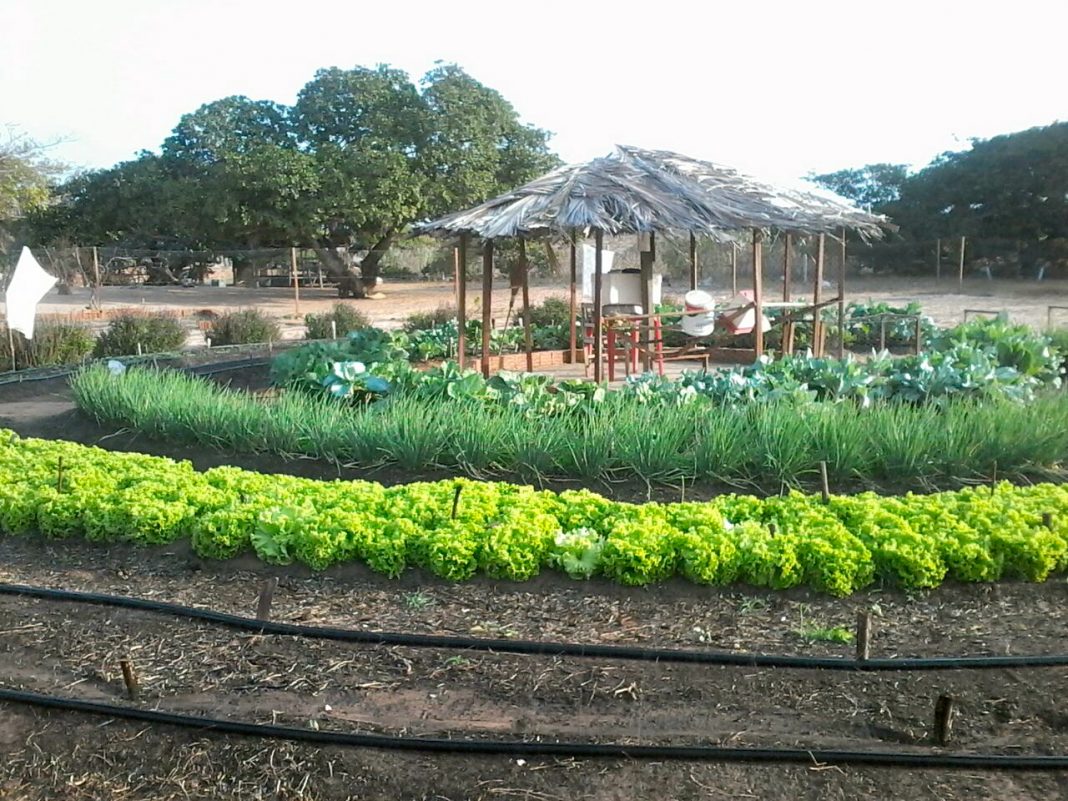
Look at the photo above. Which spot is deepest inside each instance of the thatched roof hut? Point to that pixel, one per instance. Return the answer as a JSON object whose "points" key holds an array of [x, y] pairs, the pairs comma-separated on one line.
{"points": [[641, 191], [646, 192]]}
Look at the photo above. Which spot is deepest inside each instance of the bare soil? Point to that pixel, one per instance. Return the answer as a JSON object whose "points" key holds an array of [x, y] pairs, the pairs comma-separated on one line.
{"points": [[74, 650]]}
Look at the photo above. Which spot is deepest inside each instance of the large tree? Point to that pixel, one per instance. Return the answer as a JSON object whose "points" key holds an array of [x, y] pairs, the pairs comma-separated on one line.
{"points": [[871, 186], [361, 155], [26, 176]]}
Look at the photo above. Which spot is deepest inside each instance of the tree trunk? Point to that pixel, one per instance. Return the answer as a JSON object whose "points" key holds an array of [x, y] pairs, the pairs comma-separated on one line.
{"points": [[372, 261], [340, 269]]}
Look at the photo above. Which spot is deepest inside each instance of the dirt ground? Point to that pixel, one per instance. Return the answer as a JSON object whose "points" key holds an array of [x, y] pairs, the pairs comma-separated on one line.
{"points": [[183, 666], [74, 650], [1024, 301]]}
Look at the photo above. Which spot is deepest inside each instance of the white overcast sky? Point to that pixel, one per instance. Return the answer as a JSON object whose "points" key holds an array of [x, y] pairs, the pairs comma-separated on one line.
{"points": [[779, 89]]}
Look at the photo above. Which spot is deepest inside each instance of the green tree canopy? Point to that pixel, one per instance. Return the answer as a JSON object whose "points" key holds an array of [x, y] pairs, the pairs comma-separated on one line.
{"points": [[871, 186], [362, 154]]}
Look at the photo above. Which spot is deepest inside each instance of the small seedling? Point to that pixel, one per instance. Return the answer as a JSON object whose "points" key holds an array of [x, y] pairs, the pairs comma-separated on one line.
{"points": [[418, 600], [818, 634]]}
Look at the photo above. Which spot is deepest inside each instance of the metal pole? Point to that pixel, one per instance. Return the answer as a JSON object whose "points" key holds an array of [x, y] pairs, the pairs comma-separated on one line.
{"points": [[960, 278]]}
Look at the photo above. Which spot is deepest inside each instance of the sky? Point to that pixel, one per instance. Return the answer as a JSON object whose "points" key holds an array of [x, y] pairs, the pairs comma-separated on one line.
{"points": [[775, 89]]}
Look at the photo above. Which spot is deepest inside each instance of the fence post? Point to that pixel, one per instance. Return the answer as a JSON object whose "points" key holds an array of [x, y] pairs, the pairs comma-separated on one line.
{"points": [[296, 280], [960, 277], [938, 259]]}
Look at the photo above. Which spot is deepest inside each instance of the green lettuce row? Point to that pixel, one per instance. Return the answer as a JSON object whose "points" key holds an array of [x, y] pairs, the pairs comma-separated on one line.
{"points": [[62, 489]]}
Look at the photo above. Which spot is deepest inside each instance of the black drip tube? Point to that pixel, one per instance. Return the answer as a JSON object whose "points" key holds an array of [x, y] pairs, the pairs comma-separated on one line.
{"points": [[704, 753], [534, 647]]}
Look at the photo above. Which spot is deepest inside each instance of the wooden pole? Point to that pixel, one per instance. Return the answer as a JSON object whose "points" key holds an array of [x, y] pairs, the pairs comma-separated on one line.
{"points": [[788, 323], [863, 636], [96, 279], [734, 268], [693, 261], [938, 259], [129, 678], [487, 304], [646, 255], [598, 337], [960, 277], [11, 343], [817, 296], [841, 298], [528, 339], [296, 280], [263, 605], [461, 301], [825, 485], [943, 723], [573, 300], [758, 293]]}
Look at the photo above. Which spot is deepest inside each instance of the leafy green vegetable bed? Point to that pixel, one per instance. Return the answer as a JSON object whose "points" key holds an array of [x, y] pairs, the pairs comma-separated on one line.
{"points": [[755, 446], [62, 489]]}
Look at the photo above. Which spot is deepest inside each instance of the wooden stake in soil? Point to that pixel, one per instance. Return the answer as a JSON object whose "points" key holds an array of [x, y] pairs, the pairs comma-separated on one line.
{"points": [[129, 678], [943, 722], [263, 608], [333, 329], [863, 635], [919, 336], [825, 488], [456, 500]]}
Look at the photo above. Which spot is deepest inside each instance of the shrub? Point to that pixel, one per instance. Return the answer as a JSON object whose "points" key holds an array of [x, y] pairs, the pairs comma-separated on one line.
{"points": [[52, 344], [423, 321], [155, 333], [243, 327], [345, 317], [551, 312]]}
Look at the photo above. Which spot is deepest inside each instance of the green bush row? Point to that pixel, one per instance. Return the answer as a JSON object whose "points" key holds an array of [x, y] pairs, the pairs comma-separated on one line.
{"points": [[456, 529]]}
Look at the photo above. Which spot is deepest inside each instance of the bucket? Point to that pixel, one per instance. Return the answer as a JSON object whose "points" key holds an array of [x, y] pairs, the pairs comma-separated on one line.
{"points": [[700, 317]]}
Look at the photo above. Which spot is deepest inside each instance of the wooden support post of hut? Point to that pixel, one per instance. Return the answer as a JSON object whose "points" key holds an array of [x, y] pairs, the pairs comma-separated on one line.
{"points": [[646, 259], [758, 293], [817, 298], [598, 334], [693, 261], [841, 298], [461, 301], [487, 303], [788, 320], [734, 268], [573, 296], [524, 272]]}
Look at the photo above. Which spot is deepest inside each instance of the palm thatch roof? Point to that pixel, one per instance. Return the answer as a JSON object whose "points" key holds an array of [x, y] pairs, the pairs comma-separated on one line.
{"points": [[639, 191]]}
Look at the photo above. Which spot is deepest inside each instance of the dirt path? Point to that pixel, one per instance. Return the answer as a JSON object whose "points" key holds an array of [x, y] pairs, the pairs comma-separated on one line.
{"points": [[1024, 301]]}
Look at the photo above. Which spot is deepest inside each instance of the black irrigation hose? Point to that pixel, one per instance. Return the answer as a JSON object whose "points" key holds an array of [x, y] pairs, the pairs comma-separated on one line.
{"points": [[705, 753], [534, 647]]}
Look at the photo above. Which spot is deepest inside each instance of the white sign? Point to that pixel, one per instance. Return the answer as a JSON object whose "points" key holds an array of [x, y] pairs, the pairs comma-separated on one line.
{"points": [[28, 285], [589, 257]]}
